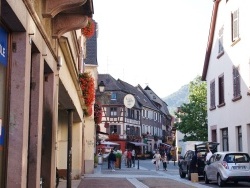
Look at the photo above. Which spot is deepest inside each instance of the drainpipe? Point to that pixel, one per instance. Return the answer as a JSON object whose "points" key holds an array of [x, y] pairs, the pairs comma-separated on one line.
{"points": [[69, 151]]}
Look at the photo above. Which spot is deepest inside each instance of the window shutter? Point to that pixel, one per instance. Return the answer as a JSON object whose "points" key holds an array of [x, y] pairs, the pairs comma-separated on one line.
{"points": [[235, 25]]}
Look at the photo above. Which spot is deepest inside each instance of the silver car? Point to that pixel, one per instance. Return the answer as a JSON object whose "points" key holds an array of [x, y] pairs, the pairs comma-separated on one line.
{"points": [[227, 167]]}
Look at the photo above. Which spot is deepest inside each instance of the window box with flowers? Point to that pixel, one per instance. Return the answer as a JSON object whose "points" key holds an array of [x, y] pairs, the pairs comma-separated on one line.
{"points": [[88, 91], [89, 30]]}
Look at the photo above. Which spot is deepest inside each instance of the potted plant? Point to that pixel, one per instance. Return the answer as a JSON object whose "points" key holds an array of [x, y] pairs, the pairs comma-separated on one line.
{"points": [[89, 30], [118, 161]]}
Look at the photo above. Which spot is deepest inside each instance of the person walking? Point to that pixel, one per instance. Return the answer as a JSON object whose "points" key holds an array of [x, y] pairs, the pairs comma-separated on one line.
{"points": [[125, 156], [133, 157], [157, 158], [112, 159], [129, 158], [164, 161]]}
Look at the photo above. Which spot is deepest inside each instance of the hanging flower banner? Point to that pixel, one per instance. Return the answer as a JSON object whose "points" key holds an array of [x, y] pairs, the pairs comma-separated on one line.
{"points": [[89, 30], [88, 90], [97, 113]]}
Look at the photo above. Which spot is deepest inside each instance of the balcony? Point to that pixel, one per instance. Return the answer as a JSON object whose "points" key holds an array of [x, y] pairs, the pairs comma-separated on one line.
{"points": [[75, 13]]}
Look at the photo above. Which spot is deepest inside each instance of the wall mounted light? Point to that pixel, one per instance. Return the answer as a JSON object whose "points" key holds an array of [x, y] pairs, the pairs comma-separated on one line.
{"points": [[101, 86]]}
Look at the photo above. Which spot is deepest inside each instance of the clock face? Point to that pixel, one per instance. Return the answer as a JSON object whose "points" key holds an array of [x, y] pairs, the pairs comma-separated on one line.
{"points": [[129, 101]]}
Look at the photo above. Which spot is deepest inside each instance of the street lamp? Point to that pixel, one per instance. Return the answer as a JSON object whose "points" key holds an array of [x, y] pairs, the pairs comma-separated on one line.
{"points": [[101, 87]]}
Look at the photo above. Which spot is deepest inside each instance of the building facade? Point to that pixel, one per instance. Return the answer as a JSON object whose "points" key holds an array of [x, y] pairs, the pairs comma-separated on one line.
{"points": [[146, 122], [226, 70], [41, 101]]}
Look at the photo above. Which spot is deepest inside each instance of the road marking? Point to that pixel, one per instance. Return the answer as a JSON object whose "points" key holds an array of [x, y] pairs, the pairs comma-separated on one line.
{"points": [[137, 183]]}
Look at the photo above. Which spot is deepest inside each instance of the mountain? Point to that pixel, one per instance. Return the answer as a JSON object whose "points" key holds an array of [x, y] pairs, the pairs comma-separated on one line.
{"points": [[177, 98]]}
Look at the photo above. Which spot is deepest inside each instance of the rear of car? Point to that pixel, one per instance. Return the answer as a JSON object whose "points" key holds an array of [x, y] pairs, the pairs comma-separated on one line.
{"points": [[235, 167], [228, 167]]}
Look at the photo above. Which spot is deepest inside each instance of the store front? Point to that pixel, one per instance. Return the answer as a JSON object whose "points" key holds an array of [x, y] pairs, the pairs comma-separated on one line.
{"points": [[3, 89]]}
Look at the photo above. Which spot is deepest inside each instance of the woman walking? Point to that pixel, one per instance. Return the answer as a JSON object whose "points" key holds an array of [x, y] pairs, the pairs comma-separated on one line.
{"points": [[157, 158], [164, 161]]}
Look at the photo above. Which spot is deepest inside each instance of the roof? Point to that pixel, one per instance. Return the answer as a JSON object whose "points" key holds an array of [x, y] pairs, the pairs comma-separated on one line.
{"points": [[210, 39]]}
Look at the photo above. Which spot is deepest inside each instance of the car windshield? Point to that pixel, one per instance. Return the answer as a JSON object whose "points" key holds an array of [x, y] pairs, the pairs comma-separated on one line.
{"points": [[237, 158]]}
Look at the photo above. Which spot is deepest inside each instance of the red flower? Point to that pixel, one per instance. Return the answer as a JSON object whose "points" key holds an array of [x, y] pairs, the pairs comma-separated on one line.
{"points": [[89, 30], [88, 88], [97, 113]]}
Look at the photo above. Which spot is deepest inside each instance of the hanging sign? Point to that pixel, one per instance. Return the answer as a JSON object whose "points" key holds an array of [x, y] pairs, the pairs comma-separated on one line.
{"points": [[129, 101]]}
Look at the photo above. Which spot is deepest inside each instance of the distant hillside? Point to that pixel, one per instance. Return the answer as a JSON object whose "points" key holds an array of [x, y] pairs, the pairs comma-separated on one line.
{"points": [[177, 98]]}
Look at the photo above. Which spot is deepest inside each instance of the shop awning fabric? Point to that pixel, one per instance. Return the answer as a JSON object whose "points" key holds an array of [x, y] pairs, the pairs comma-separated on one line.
{"points": [[138, 143]]}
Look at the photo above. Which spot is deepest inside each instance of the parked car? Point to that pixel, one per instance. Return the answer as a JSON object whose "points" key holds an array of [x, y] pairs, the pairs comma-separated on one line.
{"points": [[184, 162], [227, 167]]}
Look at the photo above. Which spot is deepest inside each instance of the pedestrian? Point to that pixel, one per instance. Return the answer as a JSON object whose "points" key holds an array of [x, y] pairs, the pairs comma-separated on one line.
{"points": [[129, 158], [133, 157], [125, 156], [164, 161], [195, 162], [208, 153], [112, 159], [157, 158]]}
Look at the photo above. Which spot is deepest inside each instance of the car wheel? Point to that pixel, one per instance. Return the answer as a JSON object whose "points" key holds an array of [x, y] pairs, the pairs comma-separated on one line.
{"points": [[182, 174], [220, 182], [206, 180]]}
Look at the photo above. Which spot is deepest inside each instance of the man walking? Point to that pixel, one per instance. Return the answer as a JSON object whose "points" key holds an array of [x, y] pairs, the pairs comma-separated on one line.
{"points": [[129, 158], [133, 157], [112, 159]]}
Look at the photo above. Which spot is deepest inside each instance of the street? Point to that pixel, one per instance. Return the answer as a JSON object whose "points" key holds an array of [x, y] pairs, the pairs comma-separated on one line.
{"points": [[143, 177]]}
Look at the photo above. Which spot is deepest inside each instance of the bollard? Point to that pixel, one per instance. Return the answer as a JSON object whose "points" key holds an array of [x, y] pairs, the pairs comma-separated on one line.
{"points": [[138, 164]]}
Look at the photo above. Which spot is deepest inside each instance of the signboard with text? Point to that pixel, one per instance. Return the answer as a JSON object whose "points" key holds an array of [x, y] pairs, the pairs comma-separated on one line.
{"points": [[3, 47]]}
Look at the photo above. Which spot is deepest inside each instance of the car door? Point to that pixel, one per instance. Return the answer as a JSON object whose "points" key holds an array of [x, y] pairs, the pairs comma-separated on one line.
{"points": [[209, 167], [186, 161], [214, 166]]}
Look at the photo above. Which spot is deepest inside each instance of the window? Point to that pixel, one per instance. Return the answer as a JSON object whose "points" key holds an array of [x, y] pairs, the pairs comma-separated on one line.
{"points": [[113, 111], [115, 129], [212, 95], [236, 83], [221, 91], [239, 131], [235, 25], [137, 115], [113, 96], [224, 139], [221, 48]]}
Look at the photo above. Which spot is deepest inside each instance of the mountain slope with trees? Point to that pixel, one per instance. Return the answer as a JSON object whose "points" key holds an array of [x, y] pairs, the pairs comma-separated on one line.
{"points": [[177, 98]]}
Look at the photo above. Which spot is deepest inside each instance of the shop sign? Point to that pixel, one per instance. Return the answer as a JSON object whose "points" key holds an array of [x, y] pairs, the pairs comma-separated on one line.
{"points": [[3, 47]]}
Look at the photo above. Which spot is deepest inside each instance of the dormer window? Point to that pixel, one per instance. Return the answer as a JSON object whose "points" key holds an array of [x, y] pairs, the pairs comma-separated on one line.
{"points": [[113, 96]]}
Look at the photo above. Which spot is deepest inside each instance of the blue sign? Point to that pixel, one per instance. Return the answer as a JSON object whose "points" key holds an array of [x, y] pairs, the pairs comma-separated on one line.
{"points": [[3, 47]]}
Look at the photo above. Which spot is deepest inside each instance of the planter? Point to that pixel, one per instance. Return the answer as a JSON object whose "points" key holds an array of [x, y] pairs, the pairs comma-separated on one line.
{"points": [[118, 162]]}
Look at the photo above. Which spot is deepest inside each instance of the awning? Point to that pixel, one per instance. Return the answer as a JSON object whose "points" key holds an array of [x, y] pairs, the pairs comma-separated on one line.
{"points": [[138, 143], [109, 143], [99, 132]]}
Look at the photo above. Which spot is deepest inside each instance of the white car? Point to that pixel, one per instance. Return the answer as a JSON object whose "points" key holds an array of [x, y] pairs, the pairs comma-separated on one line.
{"points": [[227, 167]]}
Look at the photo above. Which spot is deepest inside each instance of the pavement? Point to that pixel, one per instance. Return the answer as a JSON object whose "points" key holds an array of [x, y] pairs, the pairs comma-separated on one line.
{"points": [[130, 178]]}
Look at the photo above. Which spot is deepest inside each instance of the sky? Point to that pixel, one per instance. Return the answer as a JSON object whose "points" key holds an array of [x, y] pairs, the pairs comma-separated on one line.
{"points": [[159, 43]]}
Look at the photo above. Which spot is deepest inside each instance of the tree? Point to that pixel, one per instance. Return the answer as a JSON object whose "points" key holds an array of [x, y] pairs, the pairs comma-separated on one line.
{"points": [[193, 115]]}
